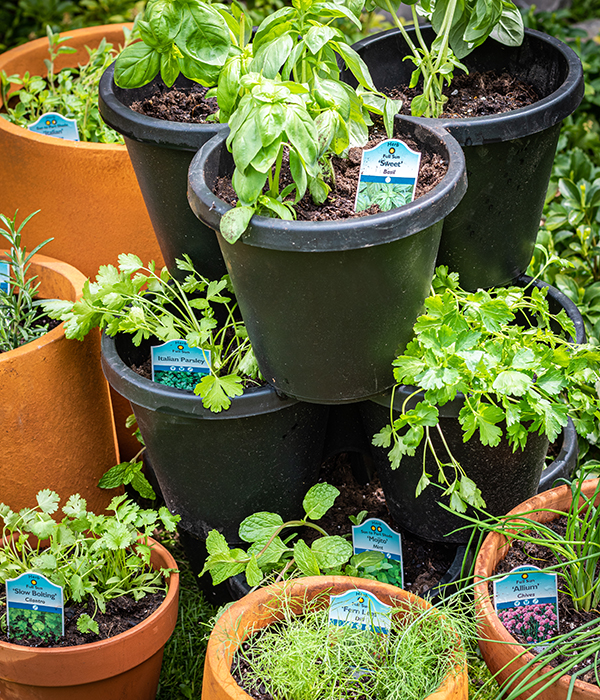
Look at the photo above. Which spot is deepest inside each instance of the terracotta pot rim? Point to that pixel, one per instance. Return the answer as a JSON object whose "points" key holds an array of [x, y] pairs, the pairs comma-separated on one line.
{"points": [[101, 649], [76, 279], [86, 33], [483, 602], [260, 600]]}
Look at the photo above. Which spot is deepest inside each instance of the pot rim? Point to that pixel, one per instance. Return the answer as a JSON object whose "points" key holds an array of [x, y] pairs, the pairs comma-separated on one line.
{"points": [[220, 647], [165, 399], [557, 498], [79, 35], [342, 234], [545, 113], [32, 660]]}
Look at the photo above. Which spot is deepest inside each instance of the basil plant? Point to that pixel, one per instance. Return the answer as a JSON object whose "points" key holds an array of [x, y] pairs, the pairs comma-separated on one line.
{"points": [[460, 26]]}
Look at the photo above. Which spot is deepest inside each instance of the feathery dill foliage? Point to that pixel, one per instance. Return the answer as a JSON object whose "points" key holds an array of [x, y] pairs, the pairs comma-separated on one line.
{"points": [[306, 658]]}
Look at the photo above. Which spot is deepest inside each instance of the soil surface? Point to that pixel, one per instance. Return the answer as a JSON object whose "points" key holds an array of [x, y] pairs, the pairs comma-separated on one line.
{"points": [[475, 95], [121, 614], [424, 562], [340, 201], [521, 554], [178, 105]]}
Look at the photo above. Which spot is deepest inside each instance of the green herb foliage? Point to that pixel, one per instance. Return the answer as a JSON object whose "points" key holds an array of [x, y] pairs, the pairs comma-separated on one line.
{"points": [[269, 554], [517, 377], [35, 623], [460, 27], [20, 313], [147, 303], [306, 658], [97, 557], [72, 92]]}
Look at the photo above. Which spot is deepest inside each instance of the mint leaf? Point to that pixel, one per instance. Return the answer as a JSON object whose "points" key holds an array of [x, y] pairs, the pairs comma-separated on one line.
{"points": [[319, 499], [260, 526], [331, 551], [305, 559]]}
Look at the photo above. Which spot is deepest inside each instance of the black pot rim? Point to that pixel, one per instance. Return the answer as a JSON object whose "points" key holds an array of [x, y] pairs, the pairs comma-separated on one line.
{"points": [[164, 399], [517, 123], [141, 127], [343, 234]]}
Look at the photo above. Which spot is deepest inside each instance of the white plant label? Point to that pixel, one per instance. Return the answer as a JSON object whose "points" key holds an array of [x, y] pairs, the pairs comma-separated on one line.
{"points": [[53, 124], [360, 610], [526, 602], [388, 176], [34, 607], [377, 536], [176, 364]]}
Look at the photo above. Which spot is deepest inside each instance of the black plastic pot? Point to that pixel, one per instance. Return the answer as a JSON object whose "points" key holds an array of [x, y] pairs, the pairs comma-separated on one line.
{"points": [[328, 304], [489, 238], [506, 478], [161, 152], [215, 469]]}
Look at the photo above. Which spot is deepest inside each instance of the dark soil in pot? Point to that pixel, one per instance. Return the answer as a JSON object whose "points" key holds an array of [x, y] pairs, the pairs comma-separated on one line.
{"points": [[177, 104], [521, 554], [121, 614], [475, 95], [341, 199]]}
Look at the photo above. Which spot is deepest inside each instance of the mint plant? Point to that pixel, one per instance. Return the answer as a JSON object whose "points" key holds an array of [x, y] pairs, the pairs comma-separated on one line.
{"points": [[72, 92], [97, 557], [147, 303], [269, 555], [517, 377], [21, 314], [459, 27]]}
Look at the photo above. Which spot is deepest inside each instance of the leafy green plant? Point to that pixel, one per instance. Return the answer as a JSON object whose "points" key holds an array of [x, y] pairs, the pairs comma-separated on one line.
{"points": [[303, 656], [147, 303], [21, 314], [72, 92], [459, 27], [517, 376], [93, 557], [269, 555]]}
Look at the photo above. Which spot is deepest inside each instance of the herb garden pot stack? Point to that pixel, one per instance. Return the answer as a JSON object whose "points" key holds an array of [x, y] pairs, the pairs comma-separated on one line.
{"points": [[259, 609], [489, 238], [502, 653], [328, 304], [161, 152], [125, 666], [505, 478], [55, 409]]}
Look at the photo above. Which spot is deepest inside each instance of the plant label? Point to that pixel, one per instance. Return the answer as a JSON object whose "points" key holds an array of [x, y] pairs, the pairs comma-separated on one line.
{"points": [[53, 124], [388, 176], [176, 364], [376, 536], [360, 610], [526, 602], [4, 277], [34, 607]]}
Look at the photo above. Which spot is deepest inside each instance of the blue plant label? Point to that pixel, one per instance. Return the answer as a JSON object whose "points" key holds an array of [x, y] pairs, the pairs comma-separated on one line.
{"points": [[177, 364], [388, 176], [526, 602], [360, 610], [377, 536], [4, 277], [34, 607], [53, 124]]}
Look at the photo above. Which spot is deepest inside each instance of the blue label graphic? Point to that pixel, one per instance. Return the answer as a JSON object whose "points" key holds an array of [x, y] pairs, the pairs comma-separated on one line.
{"points": [[360, 610], [176, 364], [53, 124], [31, 600], [526, 603], [388, 175], [4, 277], [377, 536]]}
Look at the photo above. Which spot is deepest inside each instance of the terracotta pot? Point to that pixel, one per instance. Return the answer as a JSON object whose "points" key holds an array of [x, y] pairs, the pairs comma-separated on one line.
{"points": [[502, 653], [55, 411], [87, 193], [120, 668], [256, 611]]}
